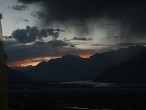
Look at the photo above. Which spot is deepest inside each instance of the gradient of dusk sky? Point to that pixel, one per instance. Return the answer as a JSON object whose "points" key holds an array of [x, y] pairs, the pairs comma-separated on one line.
{"points": [[14, 19]]}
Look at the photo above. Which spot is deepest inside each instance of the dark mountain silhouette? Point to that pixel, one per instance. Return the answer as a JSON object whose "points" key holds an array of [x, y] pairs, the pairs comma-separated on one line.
{"points": [[67, 68], [17, 77], [22, 69], [14, 76], [132, 71], [75, 68]]}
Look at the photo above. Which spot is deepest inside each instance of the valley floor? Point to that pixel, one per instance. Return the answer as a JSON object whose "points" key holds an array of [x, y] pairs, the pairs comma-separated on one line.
{"points": [[76, 97]]}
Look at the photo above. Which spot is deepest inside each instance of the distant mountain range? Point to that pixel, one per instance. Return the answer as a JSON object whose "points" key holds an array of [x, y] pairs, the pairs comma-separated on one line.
{"points": [[98, 66], [132, 71], [22, 69]]}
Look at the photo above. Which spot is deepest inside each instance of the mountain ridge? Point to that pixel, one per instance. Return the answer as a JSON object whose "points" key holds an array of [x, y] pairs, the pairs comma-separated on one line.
{"points": [[132, 71], [75, 68]]}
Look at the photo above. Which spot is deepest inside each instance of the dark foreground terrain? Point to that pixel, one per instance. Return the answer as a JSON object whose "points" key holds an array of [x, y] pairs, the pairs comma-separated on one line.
{"points": [[76, 96]]}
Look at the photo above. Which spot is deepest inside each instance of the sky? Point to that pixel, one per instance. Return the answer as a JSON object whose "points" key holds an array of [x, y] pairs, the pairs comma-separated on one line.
{"points": [[39, 30]]}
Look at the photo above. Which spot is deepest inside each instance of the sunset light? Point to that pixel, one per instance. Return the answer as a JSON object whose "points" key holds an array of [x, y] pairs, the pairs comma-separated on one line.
{"points": [[36, 61], [28, 62]]}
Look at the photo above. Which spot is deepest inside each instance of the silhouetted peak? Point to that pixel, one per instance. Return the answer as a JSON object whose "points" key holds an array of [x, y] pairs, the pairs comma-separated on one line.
{"points": [[70, 56], [135, 49], [41, 63]]}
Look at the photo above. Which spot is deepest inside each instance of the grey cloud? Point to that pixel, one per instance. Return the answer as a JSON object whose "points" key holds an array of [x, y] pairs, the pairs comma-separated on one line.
{"points": [[58, 43], [31, 34], [50, 32], [130, 44], [7, 37], [38, 14], [19, 7], [26, 20], [101, 45], [27, 35], [120, 44], [55, 43], [82, 38]]}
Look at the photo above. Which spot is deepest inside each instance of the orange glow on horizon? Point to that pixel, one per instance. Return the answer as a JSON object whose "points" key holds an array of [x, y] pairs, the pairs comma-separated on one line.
{"points": [[89, 54], [85, 55], [36, 61], [28, 62]]}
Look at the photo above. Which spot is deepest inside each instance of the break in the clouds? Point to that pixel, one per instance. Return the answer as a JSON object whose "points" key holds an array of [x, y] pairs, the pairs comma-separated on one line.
{"points": [[129, 15]]}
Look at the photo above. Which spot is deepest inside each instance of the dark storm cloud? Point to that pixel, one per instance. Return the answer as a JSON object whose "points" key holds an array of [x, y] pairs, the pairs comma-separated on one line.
{"points": [[7, 37], [129, 13], [82, 38], [55, 43], [120, 44], [27, 35], [101, 45], [130, 44], [31, 34], [58, 43], [19, 7], [30, 1], [66, 9], [50, 32], [39, 15]]}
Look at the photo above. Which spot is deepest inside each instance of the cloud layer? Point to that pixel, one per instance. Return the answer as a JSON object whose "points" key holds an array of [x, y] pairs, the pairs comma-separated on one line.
{"points": [[130, 15]]}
